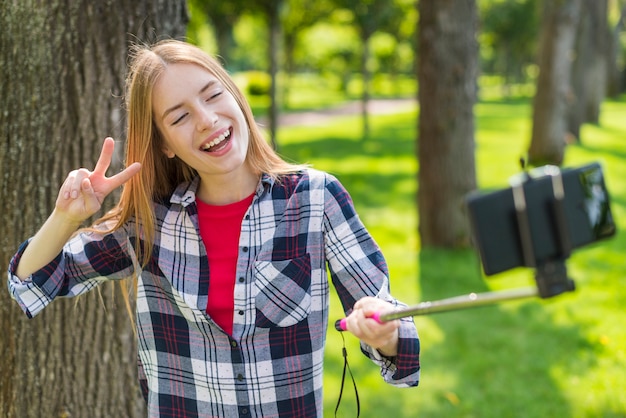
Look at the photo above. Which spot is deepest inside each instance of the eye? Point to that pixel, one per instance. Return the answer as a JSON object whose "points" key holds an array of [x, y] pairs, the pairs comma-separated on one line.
{"points": [[180, 118], [214, 95]]}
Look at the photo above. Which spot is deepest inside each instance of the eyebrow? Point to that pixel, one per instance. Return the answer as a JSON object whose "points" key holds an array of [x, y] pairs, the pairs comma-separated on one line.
{"points": [[178, 106]]}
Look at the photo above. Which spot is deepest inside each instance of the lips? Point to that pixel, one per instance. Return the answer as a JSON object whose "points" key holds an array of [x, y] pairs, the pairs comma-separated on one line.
{"points": [[218, 142]]}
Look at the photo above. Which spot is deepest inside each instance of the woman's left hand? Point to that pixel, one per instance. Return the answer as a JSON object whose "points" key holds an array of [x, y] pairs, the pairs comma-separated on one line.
{"points": [[383, 337]]}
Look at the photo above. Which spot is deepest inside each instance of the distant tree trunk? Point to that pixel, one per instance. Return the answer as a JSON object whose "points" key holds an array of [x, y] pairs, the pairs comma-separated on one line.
{"points": [[616, 83], [577, 102], [63, 66], [273, 51], [447, 76], [590, 66], [224, 40], [365, 74], [290, 41], [549, 132], [222, 17], [597, 80]]}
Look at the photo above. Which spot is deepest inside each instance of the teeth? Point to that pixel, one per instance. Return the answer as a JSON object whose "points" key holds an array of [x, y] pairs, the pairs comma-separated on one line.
{"points": [[216, 141]]}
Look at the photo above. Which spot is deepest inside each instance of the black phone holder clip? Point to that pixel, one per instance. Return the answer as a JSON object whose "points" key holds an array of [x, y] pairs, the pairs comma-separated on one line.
{"points": [[551, 274]]}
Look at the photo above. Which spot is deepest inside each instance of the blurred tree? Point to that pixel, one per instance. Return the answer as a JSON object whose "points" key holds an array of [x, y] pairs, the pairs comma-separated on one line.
{"points": [[509, 29], [369, 16], [63, 68], [590, 68], [222, 15], [402, 26], [329, 47], [299, 15], [447, 77], [617, 56], [251, 43], [550, 106], [272, 9]]}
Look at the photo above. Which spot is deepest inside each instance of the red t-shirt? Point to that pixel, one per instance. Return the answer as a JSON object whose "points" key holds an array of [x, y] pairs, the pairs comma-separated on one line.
{"points": [[220, 227]]}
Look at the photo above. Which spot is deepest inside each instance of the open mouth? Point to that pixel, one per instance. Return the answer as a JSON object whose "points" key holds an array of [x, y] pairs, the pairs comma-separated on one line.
{"points": [[218, 143]]}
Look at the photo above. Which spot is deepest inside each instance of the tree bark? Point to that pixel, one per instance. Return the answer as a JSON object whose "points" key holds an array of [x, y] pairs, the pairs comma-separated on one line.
{"points": [[274, 31], [447, 76], [616, 82], [590, 66], [579, 97], [365, 94], [64, 64], [549, 132], [597, 80]]}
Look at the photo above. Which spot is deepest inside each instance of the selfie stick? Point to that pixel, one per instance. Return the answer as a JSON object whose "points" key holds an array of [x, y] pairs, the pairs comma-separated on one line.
{"points": [[443, 305], [550, 275]]}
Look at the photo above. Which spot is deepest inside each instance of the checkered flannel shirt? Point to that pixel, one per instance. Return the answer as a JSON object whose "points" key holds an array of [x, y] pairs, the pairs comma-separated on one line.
{"points": [[272, 364]]}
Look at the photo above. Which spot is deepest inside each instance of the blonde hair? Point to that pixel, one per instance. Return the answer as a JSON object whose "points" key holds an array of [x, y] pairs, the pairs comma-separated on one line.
{"points": [[160, 175]]}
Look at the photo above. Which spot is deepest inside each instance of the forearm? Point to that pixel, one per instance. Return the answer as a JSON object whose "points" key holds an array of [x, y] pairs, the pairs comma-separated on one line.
{"points": [[46, 244]]}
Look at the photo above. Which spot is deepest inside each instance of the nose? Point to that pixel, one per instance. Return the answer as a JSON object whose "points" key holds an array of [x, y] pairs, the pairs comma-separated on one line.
{"points": [[207, 119]]}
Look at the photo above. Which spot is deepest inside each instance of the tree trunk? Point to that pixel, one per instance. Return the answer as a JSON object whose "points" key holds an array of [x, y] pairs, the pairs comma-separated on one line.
{"points": [[447, 76], [577, 104], [273, 12], [616, 85], [62, 83], [590, 66], [549, 132], [597, 80], [365, 94]]}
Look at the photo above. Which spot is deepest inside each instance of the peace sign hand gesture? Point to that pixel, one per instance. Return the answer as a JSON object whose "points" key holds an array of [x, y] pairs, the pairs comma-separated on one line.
{"points": [[83, 191]]}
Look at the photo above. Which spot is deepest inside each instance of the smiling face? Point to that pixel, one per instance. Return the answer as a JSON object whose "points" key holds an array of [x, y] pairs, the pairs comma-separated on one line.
{"points": [[201, 122]]}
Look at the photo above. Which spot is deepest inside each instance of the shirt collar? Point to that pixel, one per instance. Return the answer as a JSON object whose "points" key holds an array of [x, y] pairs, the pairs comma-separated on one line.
{"points": [[185, 193]]}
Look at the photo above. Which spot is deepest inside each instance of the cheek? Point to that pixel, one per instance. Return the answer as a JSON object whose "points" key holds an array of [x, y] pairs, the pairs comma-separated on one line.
{"points": [[167, 144]]}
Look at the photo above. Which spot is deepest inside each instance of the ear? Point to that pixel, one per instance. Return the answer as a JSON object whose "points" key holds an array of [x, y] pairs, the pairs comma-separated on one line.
{"points": [[168, 152]]}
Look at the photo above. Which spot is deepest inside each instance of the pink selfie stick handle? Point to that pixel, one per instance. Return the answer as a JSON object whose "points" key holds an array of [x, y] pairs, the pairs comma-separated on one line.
{"points": [[341, 325]]}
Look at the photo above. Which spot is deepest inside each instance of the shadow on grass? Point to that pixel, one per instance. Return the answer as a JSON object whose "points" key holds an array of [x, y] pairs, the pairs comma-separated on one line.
{"points": [[501, 356], [339, 148], [602, 151], [375, 172]]}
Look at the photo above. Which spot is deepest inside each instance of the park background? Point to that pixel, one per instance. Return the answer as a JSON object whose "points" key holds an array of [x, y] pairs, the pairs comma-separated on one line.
{"points": [[487, 105]]}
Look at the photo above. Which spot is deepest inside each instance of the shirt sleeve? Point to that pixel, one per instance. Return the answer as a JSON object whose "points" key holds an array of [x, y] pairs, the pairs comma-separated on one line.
{"points": [[86, 260], [358, 269]]}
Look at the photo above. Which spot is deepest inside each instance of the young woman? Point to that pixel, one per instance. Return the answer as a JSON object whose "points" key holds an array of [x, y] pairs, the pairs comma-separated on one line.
{"points": [[229, 246]]}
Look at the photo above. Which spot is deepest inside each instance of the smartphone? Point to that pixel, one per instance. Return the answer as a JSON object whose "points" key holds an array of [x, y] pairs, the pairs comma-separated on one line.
{"points": [[583, 211]]}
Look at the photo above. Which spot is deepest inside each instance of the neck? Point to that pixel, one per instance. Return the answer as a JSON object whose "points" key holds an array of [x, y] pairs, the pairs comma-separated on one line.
{"points": [[224, 190]]}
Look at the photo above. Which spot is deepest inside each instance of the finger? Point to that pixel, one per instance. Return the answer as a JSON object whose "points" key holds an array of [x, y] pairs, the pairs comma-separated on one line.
{"points": [[104, 161], [75, 180], [124, 175], [364, 302], [373, 307], [66, 187]]}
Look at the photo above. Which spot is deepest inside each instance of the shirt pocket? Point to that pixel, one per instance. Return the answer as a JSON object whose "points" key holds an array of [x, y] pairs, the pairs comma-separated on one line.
{"points": [[283, 288]]}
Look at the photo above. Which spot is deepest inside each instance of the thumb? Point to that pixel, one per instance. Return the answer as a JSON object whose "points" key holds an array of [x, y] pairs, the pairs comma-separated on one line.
{"points": [[91, 202]]}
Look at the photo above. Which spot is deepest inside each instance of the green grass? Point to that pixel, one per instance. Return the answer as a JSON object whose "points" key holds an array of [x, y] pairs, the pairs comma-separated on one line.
{"points": [[560, 357]]}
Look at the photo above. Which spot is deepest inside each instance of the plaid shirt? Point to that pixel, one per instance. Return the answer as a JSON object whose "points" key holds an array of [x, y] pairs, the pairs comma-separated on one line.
{"points": [[272, 364]]}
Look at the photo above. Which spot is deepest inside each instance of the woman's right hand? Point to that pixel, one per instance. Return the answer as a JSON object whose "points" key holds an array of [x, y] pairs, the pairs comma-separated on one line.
{"points": [[83, 191]]}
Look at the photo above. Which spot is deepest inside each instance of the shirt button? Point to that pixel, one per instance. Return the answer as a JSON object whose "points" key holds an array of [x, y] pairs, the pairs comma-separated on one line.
{"points": [[247, 217], [245, 249], [244, 411], [233, 344], [240, 312], [242, 279], [240, 377]]}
